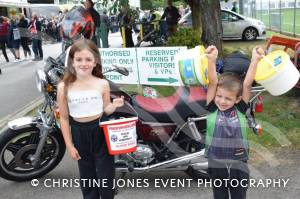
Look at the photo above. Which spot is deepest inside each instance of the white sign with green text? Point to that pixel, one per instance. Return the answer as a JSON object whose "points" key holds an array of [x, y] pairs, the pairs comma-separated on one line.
{"points": [[148, 66], [157, 65], [125, 57]]}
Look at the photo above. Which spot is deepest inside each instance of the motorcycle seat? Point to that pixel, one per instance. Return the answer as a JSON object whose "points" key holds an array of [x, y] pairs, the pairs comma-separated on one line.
{"points": [[185, 102]]}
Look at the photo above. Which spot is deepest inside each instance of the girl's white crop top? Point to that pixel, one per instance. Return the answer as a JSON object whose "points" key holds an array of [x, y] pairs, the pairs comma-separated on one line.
{"points": [[85, 103]]}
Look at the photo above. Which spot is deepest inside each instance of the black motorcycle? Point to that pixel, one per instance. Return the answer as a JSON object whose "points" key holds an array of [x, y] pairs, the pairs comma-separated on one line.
{"points": [[152, 32]]}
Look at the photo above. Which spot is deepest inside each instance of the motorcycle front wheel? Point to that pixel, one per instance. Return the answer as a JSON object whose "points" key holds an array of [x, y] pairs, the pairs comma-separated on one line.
{"points": [[18, 146]]}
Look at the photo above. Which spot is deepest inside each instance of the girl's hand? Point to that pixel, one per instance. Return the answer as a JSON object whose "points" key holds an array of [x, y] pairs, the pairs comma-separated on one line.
{"points": [[212, 53], [73, 153], [118, 102], [257, 53]]}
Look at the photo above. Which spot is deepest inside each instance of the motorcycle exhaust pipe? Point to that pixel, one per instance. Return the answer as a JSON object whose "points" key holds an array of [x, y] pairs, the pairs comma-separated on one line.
{"points": [[177, 164]]}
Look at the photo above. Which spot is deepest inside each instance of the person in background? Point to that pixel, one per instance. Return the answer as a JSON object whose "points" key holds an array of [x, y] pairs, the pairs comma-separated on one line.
{"points": [[127, 21], [60, 28], [181, 10], [23, 25], [234, 7], [120, 20], [172, 16], [104, 29], [35, 31], [89, 6], [4, 27], [14, 37]]}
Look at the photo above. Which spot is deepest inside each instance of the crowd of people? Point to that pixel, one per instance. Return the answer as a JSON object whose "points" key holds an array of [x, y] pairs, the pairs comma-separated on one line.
{"points": [[166, 19], [18, 31]]}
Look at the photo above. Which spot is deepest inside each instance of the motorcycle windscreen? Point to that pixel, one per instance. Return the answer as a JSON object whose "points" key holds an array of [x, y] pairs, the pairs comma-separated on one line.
{"points": [[77, 22]]}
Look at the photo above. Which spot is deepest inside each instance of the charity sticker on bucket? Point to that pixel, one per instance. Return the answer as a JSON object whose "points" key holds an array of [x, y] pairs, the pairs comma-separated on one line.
{"points": [[193, 66], [277, 73], [120, 135]]}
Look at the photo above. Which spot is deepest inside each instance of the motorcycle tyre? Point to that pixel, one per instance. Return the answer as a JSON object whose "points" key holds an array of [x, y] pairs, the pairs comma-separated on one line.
{"points": [[9, 134]]}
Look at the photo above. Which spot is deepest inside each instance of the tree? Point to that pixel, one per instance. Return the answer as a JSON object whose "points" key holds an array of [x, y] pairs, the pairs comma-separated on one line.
{"points": [[206, 16], [212, 31]]}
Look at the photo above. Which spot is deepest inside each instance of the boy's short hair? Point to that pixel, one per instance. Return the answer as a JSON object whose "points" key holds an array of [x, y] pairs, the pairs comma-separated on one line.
{"points": [[232, 82]]}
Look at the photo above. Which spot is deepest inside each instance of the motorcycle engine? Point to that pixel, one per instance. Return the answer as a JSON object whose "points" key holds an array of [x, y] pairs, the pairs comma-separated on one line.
{"points": [[143, 153]]}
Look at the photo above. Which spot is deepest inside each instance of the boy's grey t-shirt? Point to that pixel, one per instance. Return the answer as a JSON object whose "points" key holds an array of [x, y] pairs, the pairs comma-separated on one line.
{"points": [[227, 142]]}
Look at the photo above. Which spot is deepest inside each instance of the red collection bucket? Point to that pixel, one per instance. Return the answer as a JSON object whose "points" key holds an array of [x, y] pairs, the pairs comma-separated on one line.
{"points": [[120, 135]]}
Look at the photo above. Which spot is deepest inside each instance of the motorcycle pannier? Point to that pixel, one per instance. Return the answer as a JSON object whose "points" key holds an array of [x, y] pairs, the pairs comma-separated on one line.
{"points": [[120, 135]]}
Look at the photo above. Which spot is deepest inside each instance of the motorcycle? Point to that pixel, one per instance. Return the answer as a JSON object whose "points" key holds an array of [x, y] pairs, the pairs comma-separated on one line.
{"points": [[170, 131], [153, 32]]}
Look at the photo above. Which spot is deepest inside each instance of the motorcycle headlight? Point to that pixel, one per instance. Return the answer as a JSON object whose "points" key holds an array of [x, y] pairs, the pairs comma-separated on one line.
{"points": [[41, 80]]}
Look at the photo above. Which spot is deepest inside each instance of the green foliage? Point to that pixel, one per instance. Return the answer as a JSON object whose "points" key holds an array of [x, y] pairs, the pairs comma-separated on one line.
{"points": [[283, 113], [117, 4], [185, 37], [158, 3], [177, 3], [164, 90], [146, 5], [163, 3]]}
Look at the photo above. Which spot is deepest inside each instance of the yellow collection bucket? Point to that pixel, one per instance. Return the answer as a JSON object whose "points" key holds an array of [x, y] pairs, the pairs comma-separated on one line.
{"points": [[193, 66], [277, 73]]}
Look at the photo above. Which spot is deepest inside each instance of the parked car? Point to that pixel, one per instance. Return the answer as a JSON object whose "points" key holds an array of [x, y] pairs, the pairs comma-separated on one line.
{"points": [[234, 25]]}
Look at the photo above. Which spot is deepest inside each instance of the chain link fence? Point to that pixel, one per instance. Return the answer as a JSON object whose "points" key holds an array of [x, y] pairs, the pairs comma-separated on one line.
{"points": [[278, 15]]}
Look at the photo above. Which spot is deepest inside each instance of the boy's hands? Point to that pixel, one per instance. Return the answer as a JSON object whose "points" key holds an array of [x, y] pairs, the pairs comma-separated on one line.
{"points": [[257, 53], [211, 53]]}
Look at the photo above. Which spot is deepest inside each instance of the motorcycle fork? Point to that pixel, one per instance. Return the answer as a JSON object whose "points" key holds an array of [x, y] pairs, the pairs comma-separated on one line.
{"points": [[45, 127], [44, 132]]}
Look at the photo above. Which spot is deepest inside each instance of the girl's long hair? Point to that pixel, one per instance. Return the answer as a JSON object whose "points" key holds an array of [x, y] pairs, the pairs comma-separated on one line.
{"points": [[70, 73]]}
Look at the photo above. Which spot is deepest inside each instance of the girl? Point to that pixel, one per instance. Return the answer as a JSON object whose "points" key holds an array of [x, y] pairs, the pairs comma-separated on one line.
{"points": [[82, 97]]}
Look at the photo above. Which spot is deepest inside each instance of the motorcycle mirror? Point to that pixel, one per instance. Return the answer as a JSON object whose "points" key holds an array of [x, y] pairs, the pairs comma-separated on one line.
{"points": [[122, 70]]}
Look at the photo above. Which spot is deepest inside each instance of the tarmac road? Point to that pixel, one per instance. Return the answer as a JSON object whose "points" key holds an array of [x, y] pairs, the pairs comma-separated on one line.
{"points": [[51, 186]]}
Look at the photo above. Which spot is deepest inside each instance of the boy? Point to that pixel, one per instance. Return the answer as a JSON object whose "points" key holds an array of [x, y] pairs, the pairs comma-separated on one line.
{"points": [[226, 139]]}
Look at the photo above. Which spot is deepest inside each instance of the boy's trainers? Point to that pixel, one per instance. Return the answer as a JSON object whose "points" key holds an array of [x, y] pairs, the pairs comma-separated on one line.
{"points": [[17, 60]]}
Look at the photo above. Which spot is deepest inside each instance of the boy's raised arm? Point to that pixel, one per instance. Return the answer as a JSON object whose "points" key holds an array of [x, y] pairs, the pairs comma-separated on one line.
{"points": [[212, 54], [257, 54]]}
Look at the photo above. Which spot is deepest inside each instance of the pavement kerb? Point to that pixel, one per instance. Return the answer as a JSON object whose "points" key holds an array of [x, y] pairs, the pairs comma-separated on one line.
{"points": [[21, 112]]}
